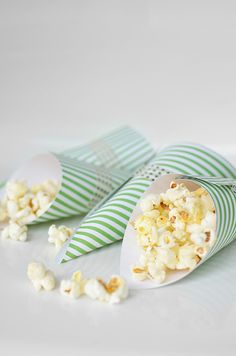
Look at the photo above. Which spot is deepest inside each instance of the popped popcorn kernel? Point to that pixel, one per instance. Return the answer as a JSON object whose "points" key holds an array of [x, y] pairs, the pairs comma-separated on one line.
{"points": [[15, 231], [59, 235], [175, 233], [40, 277], [113, 292], [157, 271], [16, 189], [3, 211], [139, 273], [73, 287], [95, 289]]}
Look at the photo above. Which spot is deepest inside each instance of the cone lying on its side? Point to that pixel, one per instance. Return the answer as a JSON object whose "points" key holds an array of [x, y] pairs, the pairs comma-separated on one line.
{"points": [[108, 223], [124, 149], [83, 185], [88, 173], [224, 200]]}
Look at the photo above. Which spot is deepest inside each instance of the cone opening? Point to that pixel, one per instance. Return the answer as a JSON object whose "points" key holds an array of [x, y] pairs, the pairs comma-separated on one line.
{"points": [[130, 250], [38, 169]]}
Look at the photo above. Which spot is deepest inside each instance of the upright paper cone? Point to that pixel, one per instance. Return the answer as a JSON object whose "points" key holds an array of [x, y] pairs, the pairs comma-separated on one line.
{"points": [[108, 223], [87, 174]]}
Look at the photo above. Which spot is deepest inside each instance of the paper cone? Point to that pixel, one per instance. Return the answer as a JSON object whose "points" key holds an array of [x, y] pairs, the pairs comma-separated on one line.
{"points": [[224, 199], [107, 224], [123, 148], [92, 173]]}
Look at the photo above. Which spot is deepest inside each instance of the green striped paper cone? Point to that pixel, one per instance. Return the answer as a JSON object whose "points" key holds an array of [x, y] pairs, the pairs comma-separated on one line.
{"points": [[223, 195], [89, 173], [107, 224], [124, 148], [82, 185]]}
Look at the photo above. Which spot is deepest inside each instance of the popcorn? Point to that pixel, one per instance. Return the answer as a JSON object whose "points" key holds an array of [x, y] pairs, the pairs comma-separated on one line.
{"points": [[16, 189], [51, 187], [148, 203], [48, 283], [58, 235], [174, 232], [157, 271], [21, 205], [113, 292], [3, 212], [73, 287], [15, 232], [144, 224], [25, 201], [209, 220], [167, 239], [95, 289], [187, 257], [167, 256], [12, 208], [44, 201], [40, 277], [22, 201], [139, 273], [176, 192]]}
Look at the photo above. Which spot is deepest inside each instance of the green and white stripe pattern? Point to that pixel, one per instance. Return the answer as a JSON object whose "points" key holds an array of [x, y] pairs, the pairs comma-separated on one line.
{"points": [[123, 148], [108, 223], [224, 198], [193, 159], [82, 186], [91, 172]]}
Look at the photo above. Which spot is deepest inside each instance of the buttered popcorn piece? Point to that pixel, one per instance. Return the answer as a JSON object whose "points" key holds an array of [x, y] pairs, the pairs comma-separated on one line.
{"points": [[112, 292], [58, 235], [40, 277], [73, 287], [174, 232]]}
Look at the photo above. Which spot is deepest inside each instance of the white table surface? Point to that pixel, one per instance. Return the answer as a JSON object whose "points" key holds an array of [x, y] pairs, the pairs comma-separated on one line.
{"points": [[71, 70]]}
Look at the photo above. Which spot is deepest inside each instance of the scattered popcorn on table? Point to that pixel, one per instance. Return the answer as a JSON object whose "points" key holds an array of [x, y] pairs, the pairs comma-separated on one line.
{"points": [[73, 287], [113, 292], [59, 235], [174, 232], [40, 277], [15, 232], [23, 204]]}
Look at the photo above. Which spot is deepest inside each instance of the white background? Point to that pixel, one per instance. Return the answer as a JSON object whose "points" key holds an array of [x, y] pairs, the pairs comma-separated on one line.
{"points": [[71, 70]]}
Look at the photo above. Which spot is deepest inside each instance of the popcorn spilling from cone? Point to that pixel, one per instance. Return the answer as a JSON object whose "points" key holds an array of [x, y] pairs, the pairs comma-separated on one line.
{"points": [[15, 231], [174, 232], [22, 204]]}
